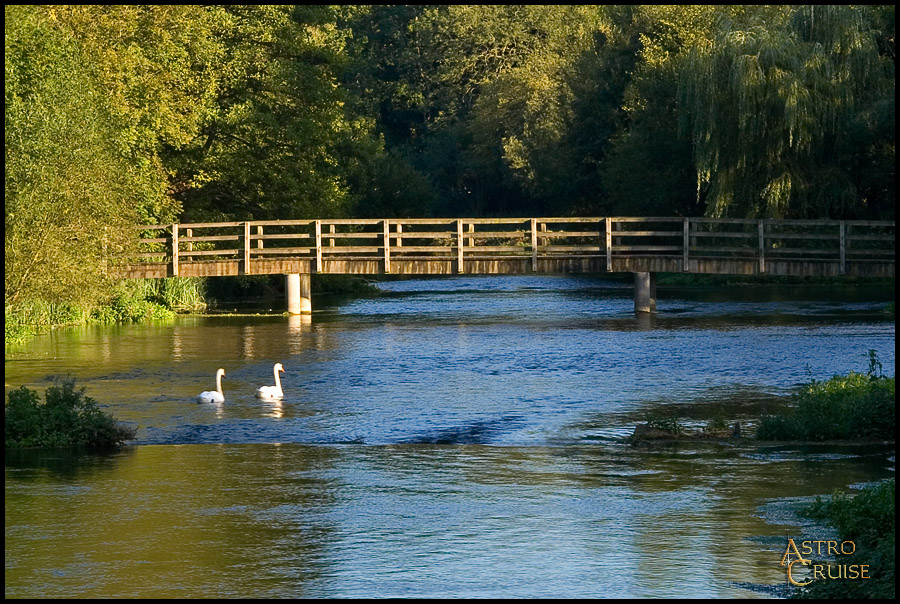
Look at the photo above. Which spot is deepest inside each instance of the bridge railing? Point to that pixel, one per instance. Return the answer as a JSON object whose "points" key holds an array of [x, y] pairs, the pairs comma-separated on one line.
{"points": [[679, 240]]}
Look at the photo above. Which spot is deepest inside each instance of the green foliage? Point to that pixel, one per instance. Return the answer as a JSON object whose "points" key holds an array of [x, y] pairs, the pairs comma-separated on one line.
{"points": [[66, 418], [126, 302], [29, 318], [120, 115], [129, 310], [738, 110], [665, 423], [844, 407], [68, 189], [157, 67], [183, 293], [717, 423], [279, 141], [776, 107], [867, 519]]}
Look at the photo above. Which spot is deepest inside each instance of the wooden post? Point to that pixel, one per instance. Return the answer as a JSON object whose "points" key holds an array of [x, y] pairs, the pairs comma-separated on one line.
{"points": [[608, 243], [762, 246], [534, 245], [175, 249], [259, 242], [318, 246], [459, 245], [685, 264], [247, 248], [190, 244], [471, 230], [399, 232], [843, 248], [387, 246], [331, 230]]}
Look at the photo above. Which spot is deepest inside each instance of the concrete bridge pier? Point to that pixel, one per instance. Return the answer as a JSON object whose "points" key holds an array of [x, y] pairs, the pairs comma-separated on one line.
{"points": [[644, 292], [298, 290]]}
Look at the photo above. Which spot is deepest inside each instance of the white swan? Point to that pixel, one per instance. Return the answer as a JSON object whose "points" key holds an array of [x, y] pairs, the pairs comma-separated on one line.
{"points": [[214, 396], [272, 392]]}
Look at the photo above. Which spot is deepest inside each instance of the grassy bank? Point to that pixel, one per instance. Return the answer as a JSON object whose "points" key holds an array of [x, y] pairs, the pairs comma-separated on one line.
{"points": [[867, 520], [66, 418], [160, 299], [852, 406], [129, 301]]}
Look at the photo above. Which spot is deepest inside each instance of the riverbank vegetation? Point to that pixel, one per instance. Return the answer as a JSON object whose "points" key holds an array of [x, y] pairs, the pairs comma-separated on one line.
{"points": [[852, 406], [867, 519], [122, 115], [66, 418], [125, 302]]}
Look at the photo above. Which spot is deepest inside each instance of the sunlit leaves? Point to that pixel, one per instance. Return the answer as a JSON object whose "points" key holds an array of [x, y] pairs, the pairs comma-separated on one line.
{"points": [[279, 140], [69, 192]]}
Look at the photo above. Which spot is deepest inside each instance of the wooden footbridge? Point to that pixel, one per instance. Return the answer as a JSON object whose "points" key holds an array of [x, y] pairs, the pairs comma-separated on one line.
{"points": [[482, 246]]}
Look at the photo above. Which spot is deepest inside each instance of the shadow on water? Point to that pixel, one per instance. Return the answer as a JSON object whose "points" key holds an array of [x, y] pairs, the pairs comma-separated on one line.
{"points": [[63, 463], [482, 432]]}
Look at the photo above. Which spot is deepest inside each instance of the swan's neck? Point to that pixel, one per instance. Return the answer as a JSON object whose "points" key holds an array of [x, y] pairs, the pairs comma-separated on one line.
{"points": [[277, 381], [219, 383]]}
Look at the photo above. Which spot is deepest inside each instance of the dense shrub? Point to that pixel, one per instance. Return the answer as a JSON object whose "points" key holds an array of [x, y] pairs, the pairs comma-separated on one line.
{"points": [[852, 406], [68, 417], [124, 310], [867, 520]]}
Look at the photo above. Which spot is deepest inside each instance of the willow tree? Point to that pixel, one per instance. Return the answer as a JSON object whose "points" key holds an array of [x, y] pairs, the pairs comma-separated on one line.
{"points": [[68, 190], [772, 110]]}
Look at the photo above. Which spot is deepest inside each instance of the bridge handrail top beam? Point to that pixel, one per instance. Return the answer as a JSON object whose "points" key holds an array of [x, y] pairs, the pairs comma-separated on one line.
{"points": [[200, 225], [557, 219]]}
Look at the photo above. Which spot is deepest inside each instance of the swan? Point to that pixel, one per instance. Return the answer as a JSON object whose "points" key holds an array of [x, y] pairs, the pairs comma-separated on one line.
{"points": [[272, 392], [214, 396]]}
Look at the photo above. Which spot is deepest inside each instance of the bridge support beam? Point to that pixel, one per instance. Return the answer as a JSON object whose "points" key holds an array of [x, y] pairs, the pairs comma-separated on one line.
{"points": [[644, 292], [298, 290]]}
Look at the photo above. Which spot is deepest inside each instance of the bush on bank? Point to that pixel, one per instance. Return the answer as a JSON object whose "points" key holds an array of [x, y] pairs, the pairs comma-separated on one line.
{"points": [[866, 519], [853, 406], [66, 418]]}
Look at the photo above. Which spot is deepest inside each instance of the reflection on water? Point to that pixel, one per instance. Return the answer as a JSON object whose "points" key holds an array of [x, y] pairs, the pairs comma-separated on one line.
{"points": [[399, 520], [455, 438]]}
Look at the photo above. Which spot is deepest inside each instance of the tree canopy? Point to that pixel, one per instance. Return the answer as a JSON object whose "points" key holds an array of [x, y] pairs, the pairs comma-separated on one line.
{"points": [[147, 114]]}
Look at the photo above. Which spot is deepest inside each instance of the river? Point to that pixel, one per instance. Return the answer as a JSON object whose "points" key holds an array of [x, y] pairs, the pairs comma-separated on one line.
{"points": [[456, 437]]}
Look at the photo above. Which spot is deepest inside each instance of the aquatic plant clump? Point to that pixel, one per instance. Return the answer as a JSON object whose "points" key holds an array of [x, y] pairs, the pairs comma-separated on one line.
{"points": [[66, 418], [853, 406]]}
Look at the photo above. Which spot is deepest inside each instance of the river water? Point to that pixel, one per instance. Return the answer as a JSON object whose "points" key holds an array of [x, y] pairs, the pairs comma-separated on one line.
{"points": [[457, 437]]}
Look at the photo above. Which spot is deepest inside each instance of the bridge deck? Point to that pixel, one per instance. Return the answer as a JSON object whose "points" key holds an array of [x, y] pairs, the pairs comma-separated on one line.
{"points": [[514, 246]]}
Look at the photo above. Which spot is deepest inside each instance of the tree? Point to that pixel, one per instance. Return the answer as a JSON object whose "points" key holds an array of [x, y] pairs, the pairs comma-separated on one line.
{"points": [[776, 112], [279, 141], [69, 191], [158, 68]]}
